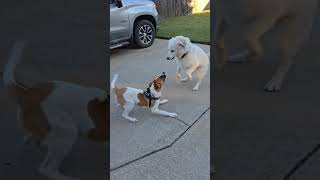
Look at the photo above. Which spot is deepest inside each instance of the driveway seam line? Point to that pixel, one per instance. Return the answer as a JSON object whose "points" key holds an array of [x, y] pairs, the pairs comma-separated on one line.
{"points": [[301, 162], [181, 121], [163, 148]]}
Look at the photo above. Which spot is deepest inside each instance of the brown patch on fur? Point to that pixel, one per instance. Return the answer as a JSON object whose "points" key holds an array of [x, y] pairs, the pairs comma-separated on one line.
{"points": [[119, 94], [158, 83], [143, 101], [100, 115], [33, 118]]}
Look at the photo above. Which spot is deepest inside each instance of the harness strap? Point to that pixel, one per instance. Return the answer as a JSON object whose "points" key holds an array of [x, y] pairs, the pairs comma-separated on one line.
{"points": [[150, 97], [184, 55]]}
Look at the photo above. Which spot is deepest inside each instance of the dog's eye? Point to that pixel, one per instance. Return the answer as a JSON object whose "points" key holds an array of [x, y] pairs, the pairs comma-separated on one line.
{"points": [[172, 50]]}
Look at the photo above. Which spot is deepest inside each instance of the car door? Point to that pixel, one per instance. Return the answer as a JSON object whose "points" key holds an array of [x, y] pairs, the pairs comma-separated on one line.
{"points": [[119, 23]]}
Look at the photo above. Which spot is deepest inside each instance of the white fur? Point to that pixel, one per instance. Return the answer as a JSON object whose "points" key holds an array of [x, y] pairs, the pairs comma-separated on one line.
{"points": [[131, 98], [196, 60], [114, 80], [66, 111], [14, 59]]}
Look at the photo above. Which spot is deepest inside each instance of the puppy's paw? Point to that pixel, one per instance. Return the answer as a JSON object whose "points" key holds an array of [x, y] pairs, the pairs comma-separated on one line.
{"points": [[163, 101], [173, 115]]}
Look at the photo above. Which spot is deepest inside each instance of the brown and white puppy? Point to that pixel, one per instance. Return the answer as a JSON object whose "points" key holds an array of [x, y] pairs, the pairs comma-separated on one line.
{"points": [[55, 113], [293, 19], [128, 97]]}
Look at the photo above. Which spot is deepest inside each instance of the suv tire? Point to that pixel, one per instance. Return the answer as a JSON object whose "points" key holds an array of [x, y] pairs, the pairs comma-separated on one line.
{"points": [[143, 34]]}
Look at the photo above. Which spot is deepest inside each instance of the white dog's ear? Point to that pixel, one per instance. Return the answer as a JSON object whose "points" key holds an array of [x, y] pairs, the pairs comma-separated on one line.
{"points": [[187, 39], [182, 42]]}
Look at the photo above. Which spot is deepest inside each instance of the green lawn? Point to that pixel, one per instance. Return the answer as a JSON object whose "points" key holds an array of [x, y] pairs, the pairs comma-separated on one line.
{"points": [[195, 26]]}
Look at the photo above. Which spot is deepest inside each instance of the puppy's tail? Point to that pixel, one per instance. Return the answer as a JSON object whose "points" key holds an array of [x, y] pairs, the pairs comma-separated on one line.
{"points": [[114, 80], [14, 88], [208, 54]]}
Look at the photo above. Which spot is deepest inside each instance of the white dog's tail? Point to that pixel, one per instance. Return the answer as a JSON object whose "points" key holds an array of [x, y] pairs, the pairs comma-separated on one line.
{"points": [[208, 54], [15, 89], [114, 80]]}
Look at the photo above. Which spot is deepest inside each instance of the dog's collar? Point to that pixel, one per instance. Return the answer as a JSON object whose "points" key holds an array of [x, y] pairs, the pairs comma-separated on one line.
{"points": [[184, 55], [150, 96]]}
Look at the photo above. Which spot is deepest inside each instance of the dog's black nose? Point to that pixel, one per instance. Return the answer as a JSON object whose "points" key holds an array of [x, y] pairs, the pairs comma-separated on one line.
{"points": [[163, 76]]}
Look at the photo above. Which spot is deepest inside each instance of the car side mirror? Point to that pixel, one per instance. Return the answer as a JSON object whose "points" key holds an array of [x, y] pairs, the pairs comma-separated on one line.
{"points": [[119, 3]]}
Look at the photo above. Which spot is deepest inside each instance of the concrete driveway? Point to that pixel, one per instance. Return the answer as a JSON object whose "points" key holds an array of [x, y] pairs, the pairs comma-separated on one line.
{"points": [[158, 147]]}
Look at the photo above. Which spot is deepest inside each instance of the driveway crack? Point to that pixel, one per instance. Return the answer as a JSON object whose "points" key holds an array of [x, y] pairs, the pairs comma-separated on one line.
{"points": [[165, 147], [301, 162], [181, 121]]}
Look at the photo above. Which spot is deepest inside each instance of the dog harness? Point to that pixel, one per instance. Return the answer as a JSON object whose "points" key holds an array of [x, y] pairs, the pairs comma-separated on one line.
{"points": [[150, 96]]}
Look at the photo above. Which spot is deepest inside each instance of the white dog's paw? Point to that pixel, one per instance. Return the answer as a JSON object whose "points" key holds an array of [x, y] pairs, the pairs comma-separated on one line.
{"points": [[173, 115], [184, 79], [241, 57], [133, 120], [195, 88], [273, 85]]}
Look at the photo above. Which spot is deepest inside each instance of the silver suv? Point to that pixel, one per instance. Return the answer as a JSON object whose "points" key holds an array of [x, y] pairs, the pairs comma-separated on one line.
{"points": [[133, 22]]}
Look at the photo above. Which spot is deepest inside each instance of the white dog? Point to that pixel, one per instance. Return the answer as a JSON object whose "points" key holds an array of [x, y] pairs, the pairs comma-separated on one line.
{"points": [[128, 97], [55, 113], [190, 58]]}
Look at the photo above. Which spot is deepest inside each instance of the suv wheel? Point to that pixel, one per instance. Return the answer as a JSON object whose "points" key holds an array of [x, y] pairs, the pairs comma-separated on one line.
{"points": [[143, 34]]}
